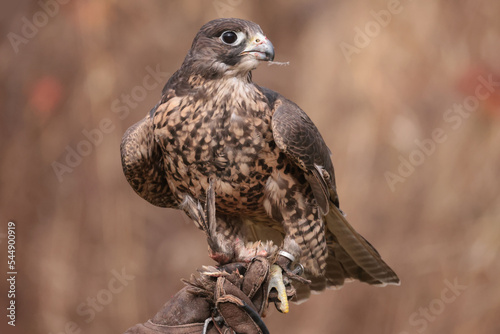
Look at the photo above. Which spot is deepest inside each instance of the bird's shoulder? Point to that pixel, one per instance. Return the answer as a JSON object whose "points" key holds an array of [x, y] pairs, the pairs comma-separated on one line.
{"points": [[298, 137], [140, 155], [296, 133]]}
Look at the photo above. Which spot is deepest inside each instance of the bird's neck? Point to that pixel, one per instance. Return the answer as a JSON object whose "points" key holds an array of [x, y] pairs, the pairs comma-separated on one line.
{"points": [[223, 88], [210, 69]]}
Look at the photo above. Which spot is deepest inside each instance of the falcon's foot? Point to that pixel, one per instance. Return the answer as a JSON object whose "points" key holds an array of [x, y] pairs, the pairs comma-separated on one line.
{"points": [[245, 252], [239, 251], [276, 282], [281, 277], [219, 257]]}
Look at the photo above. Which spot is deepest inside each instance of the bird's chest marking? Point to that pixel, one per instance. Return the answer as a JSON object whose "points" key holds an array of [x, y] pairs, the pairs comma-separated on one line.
{"points": [[227, 136]]}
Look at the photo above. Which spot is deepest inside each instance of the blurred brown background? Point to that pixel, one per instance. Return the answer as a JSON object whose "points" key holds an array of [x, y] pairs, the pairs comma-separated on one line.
{"points": [[391, 85]]}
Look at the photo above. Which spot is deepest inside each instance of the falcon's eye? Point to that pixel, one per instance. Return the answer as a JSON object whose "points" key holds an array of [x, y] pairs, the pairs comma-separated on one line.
{"points": [[229, 37]]}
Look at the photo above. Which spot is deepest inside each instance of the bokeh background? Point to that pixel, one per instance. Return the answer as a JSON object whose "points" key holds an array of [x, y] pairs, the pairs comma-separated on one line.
{"points": [[376, 89]]}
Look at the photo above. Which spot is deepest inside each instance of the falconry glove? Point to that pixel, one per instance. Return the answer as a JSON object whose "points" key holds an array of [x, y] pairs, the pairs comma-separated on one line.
{"points": [[233, 296]]}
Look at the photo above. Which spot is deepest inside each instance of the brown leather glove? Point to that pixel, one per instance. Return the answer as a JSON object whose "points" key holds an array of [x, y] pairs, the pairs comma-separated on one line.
{"points": [[232, 297]]}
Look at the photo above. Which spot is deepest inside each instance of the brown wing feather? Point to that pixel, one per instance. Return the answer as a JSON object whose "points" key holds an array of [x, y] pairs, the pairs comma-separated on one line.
{"points": [[298, 137], [142, 163]]}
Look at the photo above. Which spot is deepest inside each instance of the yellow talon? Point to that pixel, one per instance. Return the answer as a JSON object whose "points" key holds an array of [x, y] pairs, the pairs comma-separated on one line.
{"points": [[276, 282]]}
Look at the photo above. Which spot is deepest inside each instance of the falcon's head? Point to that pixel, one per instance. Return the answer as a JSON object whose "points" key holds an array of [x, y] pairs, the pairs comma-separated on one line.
{"points": [[228, 47]]}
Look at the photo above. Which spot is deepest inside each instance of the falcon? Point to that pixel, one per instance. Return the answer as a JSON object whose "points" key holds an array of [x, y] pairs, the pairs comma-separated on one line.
{"points": [[265, 161]]}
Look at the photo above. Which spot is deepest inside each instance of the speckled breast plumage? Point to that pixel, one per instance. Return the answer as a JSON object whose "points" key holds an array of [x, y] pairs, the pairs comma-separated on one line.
{"points": [[220, 138]]}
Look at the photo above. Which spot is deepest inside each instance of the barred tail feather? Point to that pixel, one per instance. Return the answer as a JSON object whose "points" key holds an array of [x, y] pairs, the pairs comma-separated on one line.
{"points": [[358, 257]]}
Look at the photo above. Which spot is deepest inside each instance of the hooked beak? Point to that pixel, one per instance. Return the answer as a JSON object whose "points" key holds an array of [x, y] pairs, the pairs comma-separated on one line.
{"points": [[260, 47]]}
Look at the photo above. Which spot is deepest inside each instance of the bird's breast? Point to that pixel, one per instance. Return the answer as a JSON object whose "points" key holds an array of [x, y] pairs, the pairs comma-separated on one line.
{"points": [[230, 141]]}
